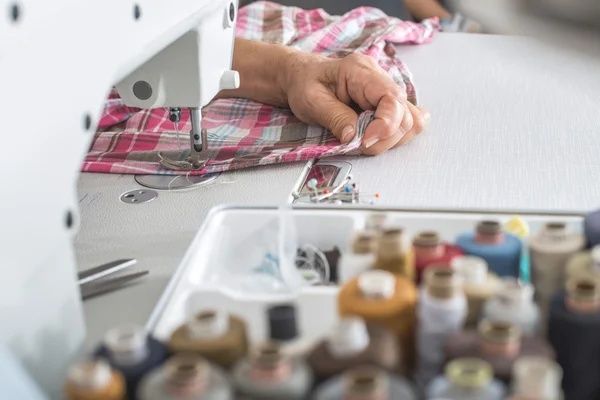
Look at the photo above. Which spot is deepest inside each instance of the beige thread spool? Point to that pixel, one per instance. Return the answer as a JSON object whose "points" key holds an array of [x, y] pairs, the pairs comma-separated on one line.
{"points": [[395, 254]]}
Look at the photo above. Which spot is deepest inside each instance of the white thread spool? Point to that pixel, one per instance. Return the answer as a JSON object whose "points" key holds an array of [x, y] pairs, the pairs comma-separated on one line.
{"points": [[442, 311], [537, 378], [513, 303], [90, 375], [472, 269], [127, 344], [208, 325], [361, 256], [377, 284], [348, 338]]}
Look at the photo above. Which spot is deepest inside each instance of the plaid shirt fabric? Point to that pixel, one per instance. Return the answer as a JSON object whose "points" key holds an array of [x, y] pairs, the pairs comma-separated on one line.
{"points": [[245, 133]]}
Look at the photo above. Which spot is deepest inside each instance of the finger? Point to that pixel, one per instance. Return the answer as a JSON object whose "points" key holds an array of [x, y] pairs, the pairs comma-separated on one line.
{"points": [[336, 116], [408, 120], [383, 145], [421, 118], [388, 117]]}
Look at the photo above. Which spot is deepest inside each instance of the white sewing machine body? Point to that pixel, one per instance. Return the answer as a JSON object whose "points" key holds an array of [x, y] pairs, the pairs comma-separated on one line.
{"points": [[58, 61]]}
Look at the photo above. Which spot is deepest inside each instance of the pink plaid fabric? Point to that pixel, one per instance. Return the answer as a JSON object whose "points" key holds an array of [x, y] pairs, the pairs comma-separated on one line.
{"points": [[246, 133]]}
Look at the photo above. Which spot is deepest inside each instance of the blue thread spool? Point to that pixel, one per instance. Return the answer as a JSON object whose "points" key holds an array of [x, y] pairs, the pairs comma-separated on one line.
{"points": [[502, 251], [134, 353], [591, 227]]}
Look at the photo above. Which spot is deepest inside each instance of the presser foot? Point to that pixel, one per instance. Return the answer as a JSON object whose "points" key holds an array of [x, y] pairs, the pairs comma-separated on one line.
{"points": [[190, 163]]}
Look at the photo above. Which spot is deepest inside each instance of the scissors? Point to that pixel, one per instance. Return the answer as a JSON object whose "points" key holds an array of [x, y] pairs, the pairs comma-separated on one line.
{"points": [[92, 281]]}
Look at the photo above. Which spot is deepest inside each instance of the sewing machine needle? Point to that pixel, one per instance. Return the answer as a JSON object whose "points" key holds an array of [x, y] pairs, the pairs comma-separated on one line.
{"points": [[103, 270]]}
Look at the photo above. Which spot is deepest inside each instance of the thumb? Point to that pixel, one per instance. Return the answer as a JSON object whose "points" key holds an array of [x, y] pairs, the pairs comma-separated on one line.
{"points": [[336, 116]]}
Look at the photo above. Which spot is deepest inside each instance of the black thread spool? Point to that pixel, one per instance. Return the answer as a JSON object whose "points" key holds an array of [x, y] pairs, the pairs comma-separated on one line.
{"points": [[574, 332]]}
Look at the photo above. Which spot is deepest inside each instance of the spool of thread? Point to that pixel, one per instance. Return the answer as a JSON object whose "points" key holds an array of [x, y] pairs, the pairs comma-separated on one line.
{"points": [[365, 383], [501, 250], [550, 251], [214, 335], [394, 254], [94, 380], [467, 379], [574, 331], [537, 378], [271, 375], [186, 376], [283, 330], [513, 303], [351, 344], [497, 343], [584, 264], [130, 350], [429, 249], [591, 227], [380, 297], [361, 256], [442, 310], [376, 222], [478, 284]]}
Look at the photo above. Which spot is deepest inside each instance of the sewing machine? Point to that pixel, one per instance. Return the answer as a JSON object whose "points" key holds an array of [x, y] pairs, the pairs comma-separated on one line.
{"points": [[57, 62]]}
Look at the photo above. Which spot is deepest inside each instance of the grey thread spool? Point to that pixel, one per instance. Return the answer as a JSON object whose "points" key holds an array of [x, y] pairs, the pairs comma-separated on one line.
{"points": [[185, 376], [271, 375]]}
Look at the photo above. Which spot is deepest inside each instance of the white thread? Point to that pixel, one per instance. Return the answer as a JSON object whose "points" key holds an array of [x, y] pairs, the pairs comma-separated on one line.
{"points": [[348, 338], [127, 344], [537, 378], [473, 270], [210, 325], [90, 375], [377, 284], [513, 303], [437, 318]]}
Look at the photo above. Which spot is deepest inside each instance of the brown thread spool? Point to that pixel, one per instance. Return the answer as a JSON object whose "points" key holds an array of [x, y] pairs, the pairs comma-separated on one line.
{"points": [[216, 336], [394, 254], [478, 284], [365, 383], [94, 380], [364, 242], [497, 343], [500, 339], [352, 344], [583, 295], [380, 297]]}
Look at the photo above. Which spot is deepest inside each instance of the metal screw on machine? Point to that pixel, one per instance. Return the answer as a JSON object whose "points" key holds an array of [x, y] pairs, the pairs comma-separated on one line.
{"points": [[139, 196]]}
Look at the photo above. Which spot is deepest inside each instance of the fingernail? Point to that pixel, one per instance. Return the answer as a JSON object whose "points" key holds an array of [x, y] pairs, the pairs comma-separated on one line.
{"points": [[371, 142], [347, 134]]}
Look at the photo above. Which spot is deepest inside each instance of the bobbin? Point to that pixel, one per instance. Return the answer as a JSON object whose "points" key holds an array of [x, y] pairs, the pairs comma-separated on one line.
{"points": [[392, 243], [364, 242], [488, 227], [583, 294], [427, 239], [513, 293], [377, 284], [555, 231], [268, 362]]}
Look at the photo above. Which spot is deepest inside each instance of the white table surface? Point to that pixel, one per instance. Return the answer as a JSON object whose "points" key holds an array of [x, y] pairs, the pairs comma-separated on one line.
{"points": [[510, 129]]}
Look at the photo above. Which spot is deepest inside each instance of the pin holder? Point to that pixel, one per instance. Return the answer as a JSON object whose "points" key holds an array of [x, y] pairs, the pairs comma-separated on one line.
{"points": [[345, 193]]}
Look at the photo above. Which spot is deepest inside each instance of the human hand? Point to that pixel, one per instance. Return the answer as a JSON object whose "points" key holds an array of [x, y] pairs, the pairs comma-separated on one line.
{"points": [[321, 90]]}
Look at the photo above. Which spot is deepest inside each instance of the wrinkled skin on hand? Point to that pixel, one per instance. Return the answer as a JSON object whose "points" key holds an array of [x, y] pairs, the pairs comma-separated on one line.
{"points": [[324, 91]]}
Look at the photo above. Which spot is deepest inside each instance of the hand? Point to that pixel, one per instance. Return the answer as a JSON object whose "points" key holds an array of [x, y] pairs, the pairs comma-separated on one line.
{"points": [[320, 90]]}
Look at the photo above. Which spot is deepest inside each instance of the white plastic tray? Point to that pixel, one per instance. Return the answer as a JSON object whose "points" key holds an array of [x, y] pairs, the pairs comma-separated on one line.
{"points": [[324, 227]]}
